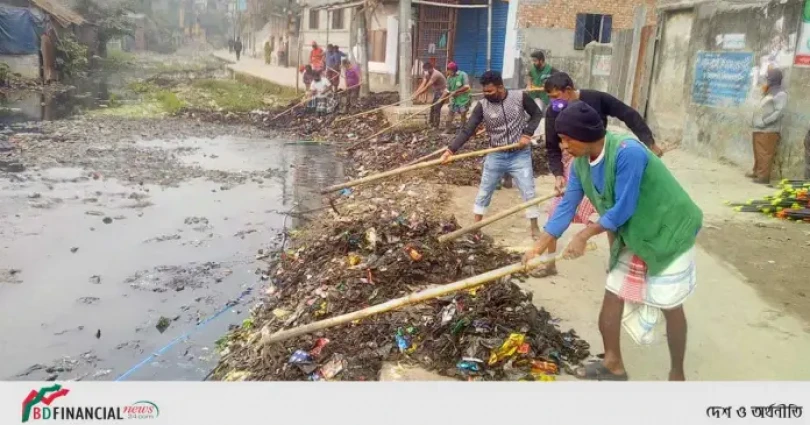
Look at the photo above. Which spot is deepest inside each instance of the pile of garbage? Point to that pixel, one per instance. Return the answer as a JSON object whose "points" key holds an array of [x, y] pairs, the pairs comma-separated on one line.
{"points": [[790, 202], [492, 332]]}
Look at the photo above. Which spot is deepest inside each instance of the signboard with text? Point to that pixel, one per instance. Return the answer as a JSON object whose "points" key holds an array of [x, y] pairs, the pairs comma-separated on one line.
{"points": [[722, 79]]}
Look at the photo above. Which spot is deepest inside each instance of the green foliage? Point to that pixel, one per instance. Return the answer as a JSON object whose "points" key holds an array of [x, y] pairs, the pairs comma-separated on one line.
{"points": [[71, 56], [5, 73], [109, 18], [142, 87], [169, 101], [117, 59]]}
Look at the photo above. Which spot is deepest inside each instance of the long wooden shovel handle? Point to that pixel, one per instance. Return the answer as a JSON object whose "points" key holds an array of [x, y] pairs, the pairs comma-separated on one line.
{"points": [[416, 297], [496, 217], [428, 156], [293, 107], [397, 171], [370, 111]]}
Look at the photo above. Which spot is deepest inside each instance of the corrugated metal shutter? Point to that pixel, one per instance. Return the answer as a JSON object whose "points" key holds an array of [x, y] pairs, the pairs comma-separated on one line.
{"points": [[468, 36], [470, 51], [500, 12]]}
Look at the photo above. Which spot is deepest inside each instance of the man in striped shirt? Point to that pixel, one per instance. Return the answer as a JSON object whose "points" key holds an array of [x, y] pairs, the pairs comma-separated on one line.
{"points": [[510, 117]]}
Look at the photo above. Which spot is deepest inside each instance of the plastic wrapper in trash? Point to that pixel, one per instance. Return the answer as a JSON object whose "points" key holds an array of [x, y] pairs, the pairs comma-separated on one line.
{"points": [[303, 361], [300, 357], [404, 342], [470, 366], [333, 367], [319, 344], [524, 348], [507, 349], [542, 377], [413, 253], [448, 312], [542, 367]]}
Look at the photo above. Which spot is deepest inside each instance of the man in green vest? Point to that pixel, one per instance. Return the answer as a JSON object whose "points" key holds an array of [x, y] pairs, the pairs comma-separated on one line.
{"points": [[538, 74], [652, 224], [458, 89]]}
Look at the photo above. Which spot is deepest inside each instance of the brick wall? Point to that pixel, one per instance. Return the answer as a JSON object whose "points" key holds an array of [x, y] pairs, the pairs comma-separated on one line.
{"points": [[562, 13]]}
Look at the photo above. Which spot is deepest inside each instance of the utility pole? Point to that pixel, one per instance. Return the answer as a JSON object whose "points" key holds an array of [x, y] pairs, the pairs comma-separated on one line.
{"points": [[353, 35], [405, 52], [361, 23]]}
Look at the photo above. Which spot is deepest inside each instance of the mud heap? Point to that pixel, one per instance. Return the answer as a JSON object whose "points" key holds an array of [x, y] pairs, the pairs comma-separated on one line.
{"points": [[384, 248], [385, 151]]}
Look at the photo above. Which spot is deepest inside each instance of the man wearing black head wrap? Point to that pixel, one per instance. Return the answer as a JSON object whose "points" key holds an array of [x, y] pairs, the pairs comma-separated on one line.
{"points": [[652, 225], [767, 125]]}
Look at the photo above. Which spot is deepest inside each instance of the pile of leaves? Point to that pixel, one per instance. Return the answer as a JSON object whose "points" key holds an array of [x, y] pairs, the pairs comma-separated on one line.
{"points": [[491, 332]]}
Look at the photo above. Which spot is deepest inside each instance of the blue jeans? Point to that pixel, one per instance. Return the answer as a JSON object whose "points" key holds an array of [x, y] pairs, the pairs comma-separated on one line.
{"points": [[518, 164]]}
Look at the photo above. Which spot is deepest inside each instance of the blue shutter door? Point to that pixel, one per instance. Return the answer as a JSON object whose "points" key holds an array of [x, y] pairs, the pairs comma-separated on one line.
{"points": [[468, 32], [500, 12], [470, 51]]}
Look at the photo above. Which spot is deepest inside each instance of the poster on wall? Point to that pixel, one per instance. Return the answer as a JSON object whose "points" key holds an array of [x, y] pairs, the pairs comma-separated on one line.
{"points": [[601, 65], [722, 79], [802, 57]]}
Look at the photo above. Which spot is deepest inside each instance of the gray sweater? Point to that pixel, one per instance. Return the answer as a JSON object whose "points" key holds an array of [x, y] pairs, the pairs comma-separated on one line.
{"points": [[768, 117]]}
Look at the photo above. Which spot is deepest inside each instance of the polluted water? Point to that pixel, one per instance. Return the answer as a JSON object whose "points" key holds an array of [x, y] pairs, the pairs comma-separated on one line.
{"points": [[104, 264]]}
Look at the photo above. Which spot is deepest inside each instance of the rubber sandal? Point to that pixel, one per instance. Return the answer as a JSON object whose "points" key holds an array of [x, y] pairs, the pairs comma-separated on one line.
{"points": [[596, 371]]}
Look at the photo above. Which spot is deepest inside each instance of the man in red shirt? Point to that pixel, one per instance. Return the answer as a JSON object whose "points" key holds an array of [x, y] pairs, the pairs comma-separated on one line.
{"points": [[316, 58]]}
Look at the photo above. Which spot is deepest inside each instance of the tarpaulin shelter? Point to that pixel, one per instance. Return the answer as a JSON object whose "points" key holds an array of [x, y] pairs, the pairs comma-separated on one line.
{"points": [[19, 31]]}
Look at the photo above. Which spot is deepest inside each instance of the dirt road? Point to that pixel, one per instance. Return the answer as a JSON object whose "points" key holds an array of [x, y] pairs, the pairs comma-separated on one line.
{"points": [[748, 319]]}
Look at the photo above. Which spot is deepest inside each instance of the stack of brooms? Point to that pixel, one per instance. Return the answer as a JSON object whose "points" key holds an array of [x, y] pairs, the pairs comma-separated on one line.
{"points": [[790, 202]]}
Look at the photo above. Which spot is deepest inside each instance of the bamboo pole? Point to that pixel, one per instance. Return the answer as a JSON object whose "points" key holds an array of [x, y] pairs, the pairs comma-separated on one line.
{"points": [[428, 156], [371, 111], [397, 171], [293, 107], [517, 208], [413, 298]]}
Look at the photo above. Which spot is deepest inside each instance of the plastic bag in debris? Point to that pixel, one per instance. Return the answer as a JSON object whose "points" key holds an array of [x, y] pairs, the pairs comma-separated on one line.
{"points": [[507, 349], [303, 361], [469, 365], [448, 312]]}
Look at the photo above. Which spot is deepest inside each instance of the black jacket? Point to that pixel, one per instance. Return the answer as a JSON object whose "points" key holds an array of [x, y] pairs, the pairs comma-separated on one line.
{"points": [[606, 105]]}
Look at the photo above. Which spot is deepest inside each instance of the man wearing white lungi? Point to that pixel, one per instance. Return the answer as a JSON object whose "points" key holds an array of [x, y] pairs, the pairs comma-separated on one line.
{"points": [[652, 224]]}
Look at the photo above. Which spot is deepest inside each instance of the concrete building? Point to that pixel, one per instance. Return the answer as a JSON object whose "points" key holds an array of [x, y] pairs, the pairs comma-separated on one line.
{"points": [[331, 22], [563, 28], [709, 63]]}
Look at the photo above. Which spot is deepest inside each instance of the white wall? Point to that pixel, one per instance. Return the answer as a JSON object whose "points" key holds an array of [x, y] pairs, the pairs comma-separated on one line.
{"points": [[25, 65]]}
